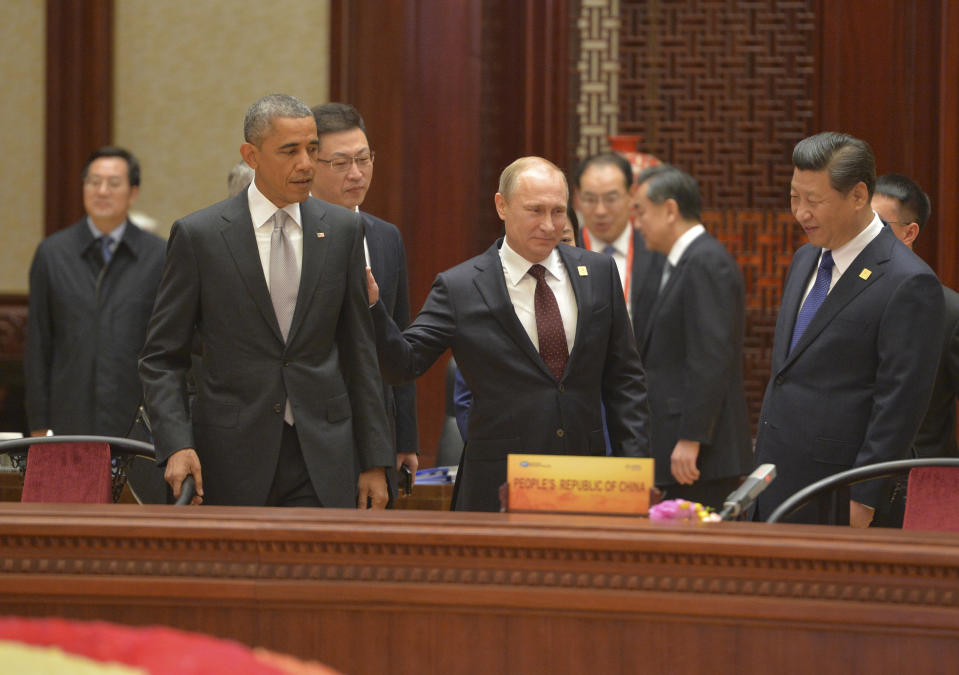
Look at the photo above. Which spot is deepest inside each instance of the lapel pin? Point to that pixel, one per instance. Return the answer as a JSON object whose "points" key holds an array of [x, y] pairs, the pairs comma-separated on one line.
{"points": [[866, 272], [320, 235], [583, 272]]}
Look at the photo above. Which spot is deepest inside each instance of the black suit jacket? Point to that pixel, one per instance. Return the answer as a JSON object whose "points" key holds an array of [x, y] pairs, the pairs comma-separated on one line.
{"points": [[855, 388], [645, 274], [645, 277], [693, 354], [85, 329], [214, 285], [937, 435], [518, 406], [388, 264]]}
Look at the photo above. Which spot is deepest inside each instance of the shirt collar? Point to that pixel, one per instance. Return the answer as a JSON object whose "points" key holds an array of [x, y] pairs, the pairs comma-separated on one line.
{"points": [[843, 256], [116, 235], [621, 243], [681, 244], [262, 209], [517, 266]]}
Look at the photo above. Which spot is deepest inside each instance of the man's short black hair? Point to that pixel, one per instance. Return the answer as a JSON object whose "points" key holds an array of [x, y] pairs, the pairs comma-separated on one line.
{"points": [[605, 159], [335, 117], [907, 192], [133, 166], [848, 159], [665, 181]]}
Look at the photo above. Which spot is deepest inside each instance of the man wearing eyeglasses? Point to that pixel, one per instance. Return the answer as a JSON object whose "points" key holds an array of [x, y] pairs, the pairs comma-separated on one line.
{"points": [[343, 175], [604, 190], [91, 292]]}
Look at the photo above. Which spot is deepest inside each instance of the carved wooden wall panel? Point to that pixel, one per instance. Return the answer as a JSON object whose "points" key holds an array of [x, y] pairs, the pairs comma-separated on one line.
{"points": [[724, 90], [417, 592], [721, 89]]}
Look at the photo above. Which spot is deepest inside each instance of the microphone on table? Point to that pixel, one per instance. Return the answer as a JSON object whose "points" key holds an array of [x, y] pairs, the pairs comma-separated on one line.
{"points": [[742, 497]]}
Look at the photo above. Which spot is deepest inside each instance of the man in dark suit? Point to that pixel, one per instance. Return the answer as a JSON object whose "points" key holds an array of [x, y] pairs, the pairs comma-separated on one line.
{"points": [[905, 208], [92, 287], [289, 409], [604, 191], [343, 176], [541, 335], [861, 316], [693, 348]]}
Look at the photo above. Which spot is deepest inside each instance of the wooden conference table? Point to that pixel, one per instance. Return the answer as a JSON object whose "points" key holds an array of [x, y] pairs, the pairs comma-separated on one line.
{"points": [[440, 592]]}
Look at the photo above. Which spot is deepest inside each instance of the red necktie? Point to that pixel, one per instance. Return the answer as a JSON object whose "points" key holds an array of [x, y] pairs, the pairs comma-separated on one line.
{"points": [[549, 325]]}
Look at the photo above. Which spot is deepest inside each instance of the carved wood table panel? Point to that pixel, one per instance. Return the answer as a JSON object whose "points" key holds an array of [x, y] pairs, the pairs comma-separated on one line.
{"points": [[440, 592]]}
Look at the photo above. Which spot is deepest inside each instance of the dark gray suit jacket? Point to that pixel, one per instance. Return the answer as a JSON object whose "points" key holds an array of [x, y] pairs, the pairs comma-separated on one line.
{"points": [[645, 274], [937, 435], [85, 329], [644, 278], [214, 285], [518, 406], [388, 263], [855, 388], [693, 354]]}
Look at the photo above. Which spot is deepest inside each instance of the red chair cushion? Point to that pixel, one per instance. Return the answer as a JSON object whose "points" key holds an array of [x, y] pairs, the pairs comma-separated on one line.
{"points": [[932, 499], [68, 472]]}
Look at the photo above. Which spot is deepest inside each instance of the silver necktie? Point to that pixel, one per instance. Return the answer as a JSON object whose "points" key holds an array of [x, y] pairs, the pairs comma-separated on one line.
{"points": [[284, 276], [284, 283]]}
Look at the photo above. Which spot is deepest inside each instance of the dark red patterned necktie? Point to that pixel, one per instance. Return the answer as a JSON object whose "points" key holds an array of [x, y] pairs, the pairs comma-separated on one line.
{"points": [[549, 324]]}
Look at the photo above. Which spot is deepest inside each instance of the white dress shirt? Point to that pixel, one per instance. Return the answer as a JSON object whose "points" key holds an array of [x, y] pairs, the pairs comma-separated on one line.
{"points": [[522, 288], [843, 256], [620, 256], [261, 211]]}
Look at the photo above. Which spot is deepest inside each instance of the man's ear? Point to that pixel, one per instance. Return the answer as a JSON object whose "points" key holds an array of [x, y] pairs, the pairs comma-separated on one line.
{"points": [[672, 210], [910, 232], [860, 194], [249, 153], [500, 202]]}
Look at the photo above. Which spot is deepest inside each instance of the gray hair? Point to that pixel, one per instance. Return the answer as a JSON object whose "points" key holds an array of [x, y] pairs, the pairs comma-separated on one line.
{"points": [[507, 179], [849, 160], [261, 114], [240, 176], [665, 181]]}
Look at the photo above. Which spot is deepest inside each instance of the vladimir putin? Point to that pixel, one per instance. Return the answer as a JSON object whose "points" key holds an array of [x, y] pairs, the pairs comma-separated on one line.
{"points": [[541, 334]]}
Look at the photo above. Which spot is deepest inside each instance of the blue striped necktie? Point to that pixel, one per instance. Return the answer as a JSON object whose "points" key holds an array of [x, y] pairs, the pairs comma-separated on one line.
{"points": [[817, 295]]}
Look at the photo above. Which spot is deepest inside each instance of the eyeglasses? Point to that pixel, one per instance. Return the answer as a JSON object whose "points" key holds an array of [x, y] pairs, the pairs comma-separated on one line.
{"points": [[342, 164], [610, 199], [96, 182]]}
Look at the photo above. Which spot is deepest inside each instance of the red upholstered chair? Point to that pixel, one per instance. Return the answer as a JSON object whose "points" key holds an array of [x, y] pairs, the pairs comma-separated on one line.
{"points": [[68, 472], [932, 499], [86, 469]]}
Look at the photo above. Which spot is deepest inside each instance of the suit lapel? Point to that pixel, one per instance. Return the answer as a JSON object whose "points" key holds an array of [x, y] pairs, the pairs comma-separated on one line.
{"points": [[377, 257], [643, 264], [491, 284], [237, 232], [312, 213], [671, 283], [583, 290], [850, 284], [792, 296]]}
